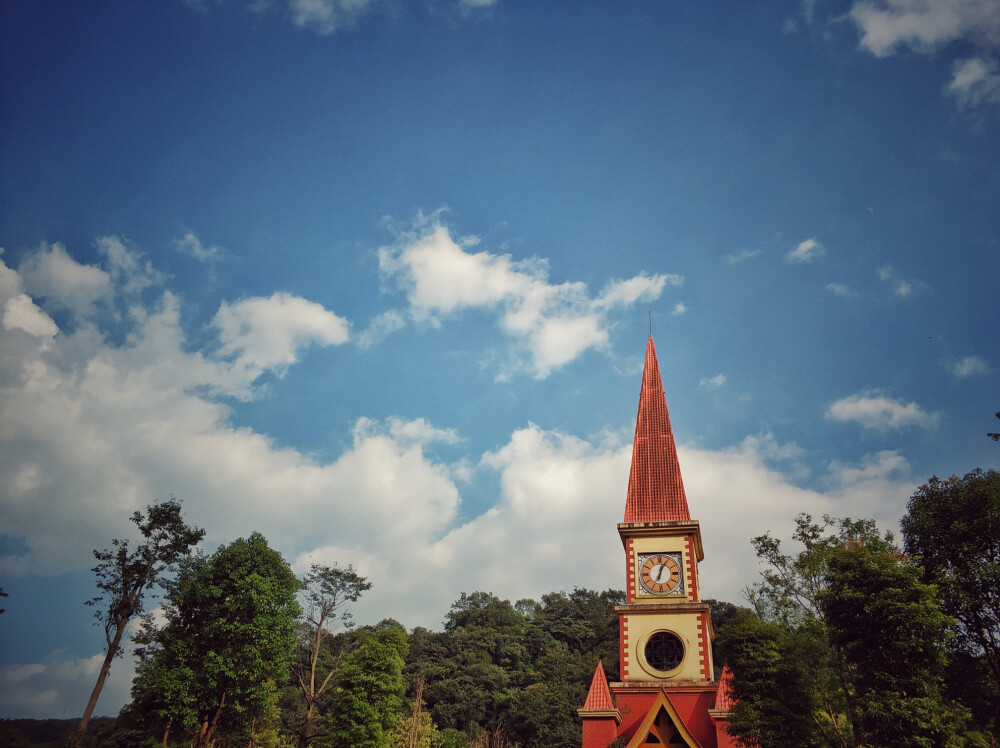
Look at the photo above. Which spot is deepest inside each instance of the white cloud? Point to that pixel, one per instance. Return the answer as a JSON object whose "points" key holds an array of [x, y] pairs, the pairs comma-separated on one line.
{"points": [[807, 251], [975, 81], [191, 245], [63, 282], [876, 411], [552, 324], [743, 255], [418, 431], [924, 26], [266, 334], [900, 287], [380, 328], [130, 271], [970, 366], [712, 383], [21, 313], [838, 289], [326, 16], [679, 309]]}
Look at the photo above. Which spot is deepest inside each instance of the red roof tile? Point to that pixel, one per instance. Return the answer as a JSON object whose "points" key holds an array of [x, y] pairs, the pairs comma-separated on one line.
{"points": [[655, 488], [723, 699], [599, 698]]}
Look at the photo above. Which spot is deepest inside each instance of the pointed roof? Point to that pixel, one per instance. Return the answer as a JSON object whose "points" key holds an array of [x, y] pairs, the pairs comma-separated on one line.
{"points": [[724, 696], [599, 697], [655, 488]]}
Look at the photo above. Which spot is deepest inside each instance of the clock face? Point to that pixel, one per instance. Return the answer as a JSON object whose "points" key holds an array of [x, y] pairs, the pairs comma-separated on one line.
{"points": [[660, 573]]}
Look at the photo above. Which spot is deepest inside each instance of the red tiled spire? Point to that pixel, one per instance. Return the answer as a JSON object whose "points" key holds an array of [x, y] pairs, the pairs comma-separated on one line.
{"points": [[655, 488], [599, 698], [723, 699]]}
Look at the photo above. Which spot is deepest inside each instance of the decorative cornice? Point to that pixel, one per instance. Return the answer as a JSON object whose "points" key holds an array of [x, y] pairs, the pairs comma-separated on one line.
{"points": [[664, 529]]}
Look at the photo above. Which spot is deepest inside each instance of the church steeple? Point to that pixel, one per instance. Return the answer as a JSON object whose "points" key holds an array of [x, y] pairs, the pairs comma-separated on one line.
{"points": [[655, 488], [666, 694]]}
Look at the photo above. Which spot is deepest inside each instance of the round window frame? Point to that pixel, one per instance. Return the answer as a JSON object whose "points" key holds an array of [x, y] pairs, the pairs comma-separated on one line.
{"points": [[648, 667]]}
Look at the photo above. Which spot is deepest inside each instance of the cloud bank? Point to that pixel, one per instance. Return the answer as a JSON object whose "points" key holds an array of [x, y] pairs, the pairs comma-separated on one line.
{"points": [[550, 324], [95, 426]]}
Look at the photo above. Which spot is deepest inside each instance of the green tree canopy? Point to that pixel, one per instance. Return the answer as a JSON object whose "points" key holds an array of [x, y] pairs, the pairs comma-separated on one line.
{"points": [[368, 690], [953, 528], [228, 639], [848, 634]]}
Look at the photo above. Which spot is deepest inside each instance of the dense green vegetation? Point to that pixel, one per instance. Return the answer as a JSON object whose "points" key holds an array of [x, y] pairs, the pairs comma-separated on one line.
{"points": [[848, 646], [850, 641]]}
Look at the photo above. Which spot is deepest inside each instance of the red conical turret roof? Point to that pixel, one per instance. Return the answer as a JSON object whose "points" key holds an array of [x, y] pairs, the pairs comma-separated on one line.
{"points": [[723, 698], [655, 488], [599, 698]]}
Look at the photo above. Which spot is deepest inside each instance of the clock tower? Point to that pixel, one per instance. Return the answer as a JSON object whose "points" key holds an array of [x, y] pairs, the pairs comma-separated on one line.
{"points": [[667, 694]]}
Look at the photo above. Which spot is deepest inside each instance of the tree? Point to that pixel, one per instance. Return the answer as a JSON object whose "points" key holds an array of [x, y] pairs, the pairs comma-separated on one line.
{"points": [[483, 655], [415, 729], [765, 654], [124, 577], [228, 639], [328, 591], [893, 636], [994, 435], [847, 633], [953, 528], [368, 690]]}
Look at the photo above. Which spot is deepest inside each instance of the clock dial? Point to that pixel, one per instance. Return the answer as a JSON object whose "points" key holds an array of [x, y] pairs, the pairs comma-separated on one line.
{"points": [[660, 573]]}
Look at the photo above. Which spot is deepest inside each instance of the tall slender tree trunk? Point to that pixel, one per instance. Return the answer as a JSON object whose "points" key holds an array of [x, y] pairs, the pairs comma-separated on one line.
{"points": [[306, 732], [113, 646]]}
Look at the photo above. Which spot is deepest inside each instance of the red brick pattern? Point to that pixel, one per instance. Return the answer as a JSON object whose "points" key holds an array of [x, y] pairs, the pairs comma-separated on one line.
{"points": [[690, 569], [599, 733], [655, 489]]}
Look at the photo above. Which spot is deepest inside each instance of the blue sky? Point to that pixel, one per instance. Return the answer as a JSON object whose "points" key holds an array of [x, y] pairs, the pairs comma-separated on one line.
{"points": [[375, 278]]}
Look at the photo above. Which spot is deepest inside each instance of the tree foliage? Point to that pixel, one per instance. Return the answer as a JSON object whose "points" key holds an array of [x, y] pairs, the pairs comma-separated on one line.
{"points": [[849, 637], [515, 673], [893, 635], [228, 639], [125, 576], [368, 690], [952, 527], [765, 654], [329, 590]]}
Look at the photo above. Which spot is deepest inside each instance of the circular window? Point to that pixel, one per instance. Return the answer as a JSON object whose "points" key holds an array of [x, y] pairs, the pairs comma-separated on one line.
{"points": [[664, 651]]}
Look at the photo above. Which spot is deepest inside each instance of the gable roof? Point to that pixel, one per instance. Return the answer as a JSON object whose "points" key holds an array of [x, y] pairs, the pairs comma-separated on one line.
{"points": [[664, 724], [655, 489]]}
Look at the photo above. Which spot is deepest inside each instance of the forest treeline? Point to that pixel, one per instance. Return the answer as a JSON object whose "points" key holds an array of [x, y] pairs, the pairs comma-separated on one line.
{"points": [[849, 640]]}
